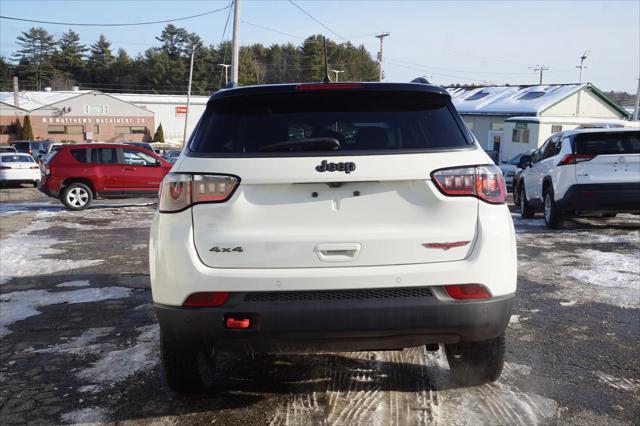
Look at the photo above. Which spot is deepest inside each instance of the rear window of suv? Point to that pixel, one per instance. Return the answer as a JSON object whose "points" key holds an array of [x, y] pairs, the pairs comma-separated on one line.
{"points": [[602, 143], [361, 122]]}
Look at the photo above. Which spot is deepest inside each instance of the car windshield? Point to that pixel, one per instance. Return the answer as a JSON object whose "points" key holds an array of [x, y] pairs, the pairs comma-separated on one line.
{"points": [[361, 121], [17, 159], [515, 160]]}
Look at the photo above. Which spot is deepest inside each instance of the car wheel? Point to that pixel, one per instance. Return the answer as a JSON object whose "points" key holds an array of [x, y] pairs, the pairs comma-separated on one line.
{"points": [[552, 216], [526, 210], [36, 183], [476, 363], [76, 196], [189, 368]]}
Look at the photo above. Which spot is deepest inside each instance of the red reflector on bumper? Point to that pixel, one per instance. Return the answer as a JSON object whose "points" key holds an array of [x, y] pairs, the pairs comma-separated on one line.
{"points": [[205, 299], [238, 323], [468, 291]]}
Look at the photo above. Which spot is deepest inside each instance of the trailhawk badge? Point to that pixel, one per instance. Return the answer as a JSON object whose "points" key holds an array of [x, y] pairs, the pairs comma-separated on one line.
{"points": [[347, 167]]}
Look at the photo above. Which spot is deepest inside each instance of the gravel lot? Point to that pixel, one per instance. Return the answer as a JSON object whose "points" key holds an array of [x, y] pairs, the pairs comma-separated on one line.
{"points": [[79, 342]]}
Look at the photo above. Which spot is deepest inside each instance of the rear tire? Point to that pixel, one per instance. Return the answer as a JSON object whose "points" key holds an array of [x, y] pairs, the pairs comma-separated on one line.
{"points": [[476, 363], [552, 216], [76, 196], [189, 368], [36, 183], [526, 210]]}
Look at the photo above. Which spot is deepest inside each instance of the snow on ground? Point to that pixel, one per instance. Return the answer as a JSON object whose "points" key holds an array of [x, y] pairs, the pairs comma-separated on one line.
{"points": [[629, 385], [81, 345], [84, 416], [24, 254], [79, 283], [607, 269], [116, 365], [20, 305]]}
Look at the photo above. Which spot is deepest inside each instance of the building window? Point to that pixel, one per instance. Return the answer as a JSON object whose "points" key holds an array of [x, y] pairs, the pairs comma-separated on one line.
{"points": [[520, 135], [96, 129], [497, 127], [96, 109], [55, 130], [556, 128], [136, 130], [75, 130], [10, 129], [469, 124], [122, 130]]}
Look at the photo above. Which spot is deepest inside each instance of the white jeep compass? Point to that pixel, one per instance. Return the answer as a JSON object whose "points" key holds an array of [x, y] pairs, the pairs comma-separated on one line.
{"points": [[332, 217]]}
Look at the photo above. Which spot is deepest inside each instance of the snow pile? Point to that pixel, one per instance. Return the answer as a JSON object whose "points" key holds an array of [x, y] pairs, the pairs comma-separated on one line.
{"points": [[20, 305]]}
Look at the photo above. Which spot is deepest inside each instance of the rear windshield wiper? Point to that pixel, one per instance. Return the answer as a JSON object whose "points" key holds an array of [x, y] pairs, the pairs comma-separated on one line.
{"points": [[307, 144]]}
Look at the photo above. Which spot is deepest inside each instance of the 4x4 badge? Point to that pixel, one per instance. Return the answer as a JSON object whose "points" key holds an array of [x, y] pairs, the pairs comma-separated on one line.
{"points": [[346, 167]]}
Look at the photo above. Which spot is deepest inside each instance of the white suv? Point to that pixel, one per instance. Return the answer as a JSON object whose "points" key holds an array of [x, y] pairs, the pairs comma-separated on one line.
{"points": [[582, 171], [333, 217]]}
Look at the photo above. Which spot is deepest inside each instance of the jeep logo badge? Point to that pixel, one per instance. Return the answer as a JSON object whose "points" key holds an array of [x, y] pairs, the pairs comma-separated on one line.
{"points": [[347, 167]]}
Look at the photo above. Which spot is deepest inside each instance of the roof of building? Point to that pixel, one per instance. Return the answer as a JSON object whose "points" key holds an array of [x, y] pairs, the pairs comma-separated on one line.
{"points": [[30, 101], [519, 100], [139, 98], [34, 100]]}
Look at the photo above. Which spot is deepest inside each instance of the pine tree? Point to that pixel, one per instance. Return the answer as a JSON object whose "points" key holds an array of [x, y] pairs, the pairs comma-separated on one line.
{"points": [[70, 55], [27, 130], [34, 55], [159, 135], [100, 60]]}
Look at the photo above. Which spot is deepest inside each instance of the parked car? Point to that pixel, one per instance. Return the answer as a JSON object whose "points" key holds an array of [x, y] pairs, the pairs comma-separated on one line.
{"points": [[174, 153], [582, 171], [355, 216], [494, 155], [18, 168], [143, 145], [509, 168], [517, 177], [34, 148], [80, 173], [10, 149], [51, 150]]}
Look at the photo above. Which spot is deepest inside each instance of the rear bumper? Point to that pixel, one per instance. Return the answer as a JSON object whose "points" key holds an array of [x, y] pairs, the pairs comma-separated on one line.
{"points": [[337, 325], [604, 197], [48, 191]]}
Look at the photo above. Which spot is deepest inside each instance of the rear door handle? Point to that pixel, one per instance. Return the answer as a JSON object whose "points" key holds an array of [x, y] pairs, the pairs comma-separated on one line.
{"points": [[338, 252]]}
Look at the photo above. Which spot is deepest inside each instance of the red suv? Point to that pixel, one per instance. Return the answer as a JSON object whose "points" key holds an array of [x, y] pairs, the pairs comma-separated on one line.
{"points": [[77, 174]]}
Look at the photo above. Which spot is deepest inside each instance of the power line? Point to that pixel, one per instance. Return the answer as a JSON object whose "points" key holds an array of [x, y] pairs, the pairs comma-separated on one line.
{"points": [[271, 29], [318, 21], [12, 18]]}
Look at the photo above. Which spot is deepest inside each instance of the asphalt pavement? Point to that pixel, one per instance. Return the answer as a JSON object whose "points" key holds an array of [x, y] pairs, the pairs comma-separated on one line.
{"points": [[79, 342]]}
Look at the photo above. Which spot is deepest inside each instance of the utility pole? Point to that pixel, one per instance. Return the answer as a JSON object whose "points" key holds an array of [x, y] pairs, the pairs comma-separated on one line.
{"points": [[235, 44], [186, 115], [381, 36], [226, 73], [337, 72], [635, 111], [541, 69], [582, 66]]}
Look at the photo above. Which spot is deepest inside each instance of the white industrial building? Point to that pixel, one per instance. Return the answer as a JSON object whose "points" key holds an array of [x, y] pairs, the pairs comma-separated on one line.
{"points": [[170, 111], [514, 119]]}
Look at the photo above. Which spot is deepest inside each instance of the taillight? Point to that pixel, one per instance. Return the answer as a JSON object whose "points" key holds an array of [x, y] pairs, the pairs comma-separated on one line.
{"points": [[483, 182], [5, 167], [34, 167], [179, 191], [206, 298], [467, 291], [575, 158]]}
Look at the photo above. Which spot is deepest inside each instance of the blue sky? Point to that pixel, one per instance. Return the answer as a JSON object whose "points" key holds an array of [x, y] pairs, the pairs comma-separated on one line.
{"points": [[463, 42]]}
